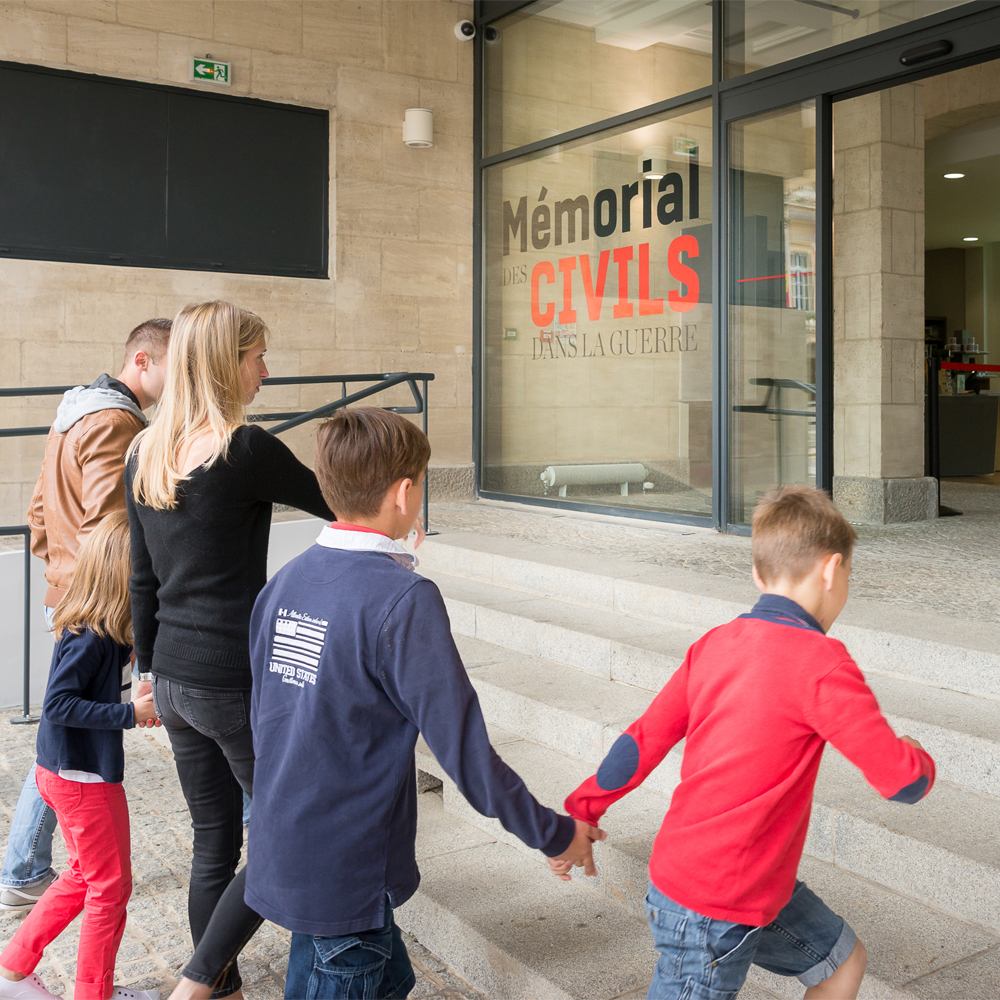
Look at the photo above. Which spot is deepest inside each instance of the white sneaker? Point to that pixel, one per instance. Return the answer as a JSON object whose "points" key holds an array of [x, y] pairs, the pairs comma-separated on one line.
{"points": [[124, 993], [31, 988], [21, 900]]}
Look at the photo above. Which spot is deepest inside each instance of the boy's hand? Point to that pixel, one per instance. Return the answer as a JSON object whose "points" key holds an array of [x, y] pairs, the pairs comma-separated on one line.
{"points": [[580, 853], [145, 713], [912, 742]]}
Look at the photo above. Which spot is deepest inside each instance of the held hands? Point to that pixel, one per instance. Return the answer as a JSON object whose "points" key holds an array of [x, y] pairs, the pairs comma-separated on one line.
{"points": [[145, 713], [580, 853]]}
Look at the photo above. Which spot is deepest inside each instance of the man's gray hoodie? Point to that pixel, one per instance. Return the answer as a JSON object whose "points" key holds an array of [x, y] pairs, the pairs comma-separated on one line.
{"points": [[106, 393]]}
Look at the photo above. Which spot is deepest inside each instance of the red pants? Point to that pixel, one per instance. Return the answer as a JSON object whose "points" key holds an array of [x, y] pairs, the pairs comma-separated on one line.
{"points": [[94, 822]]}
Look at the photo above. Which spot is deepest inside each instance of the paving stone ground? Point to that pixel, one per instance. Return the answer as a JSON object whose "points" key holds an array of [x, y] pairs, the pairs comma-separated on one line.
{"points": [[156, 942]]}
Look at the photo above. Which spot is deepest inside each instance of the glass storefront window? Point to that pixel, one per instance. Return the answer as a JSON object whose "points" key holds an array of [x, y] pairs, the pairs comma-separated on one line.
{"points": [[598, 319], [557, 66], [760, 33], [772, 294]]}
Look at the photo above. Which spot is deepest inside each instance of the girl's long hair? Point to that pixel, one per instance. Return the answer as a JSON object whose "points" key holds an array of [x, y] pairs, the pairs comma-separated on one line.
{"points": [[202, 389], [98, 597]]}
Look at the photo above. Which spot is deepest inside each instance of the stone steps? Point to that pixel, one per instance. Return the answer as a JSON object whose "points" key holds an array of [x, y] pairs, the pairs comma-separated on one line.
{"points": [[943, 851], [961, 729], [498, 917], [922, 646], [565, 650]]}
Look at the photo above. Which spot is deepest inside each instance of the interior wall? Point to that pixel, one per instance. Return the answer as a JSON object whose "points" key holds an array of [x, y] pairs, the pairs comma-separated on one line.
{"points": [[975, 300], [944, 286], [399, 295]]}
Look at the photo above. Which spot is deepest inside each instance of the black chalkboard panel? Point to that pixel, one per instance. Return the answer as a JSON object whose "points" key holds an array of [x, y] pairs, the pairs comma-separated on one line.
{"points": [[247, 183], [110, 171]]}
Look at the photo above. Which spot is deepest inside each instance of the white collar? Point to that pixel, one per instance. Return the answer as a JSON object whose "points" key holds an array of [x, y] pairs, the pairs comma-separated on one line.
{"points": [[366, 541]]}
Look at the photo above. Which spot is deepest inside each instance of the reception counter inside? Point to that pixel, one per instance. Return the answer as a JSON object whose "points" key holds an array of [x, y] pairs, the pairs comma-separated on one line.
{"points": [[968, 426]]}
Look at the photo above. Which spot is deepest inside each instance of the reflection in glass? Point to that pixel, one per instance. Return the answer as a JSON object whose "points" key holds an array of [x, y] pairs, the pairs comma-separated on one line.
{"points": [[598, 320], [761, 33], [553, 67], [772, 295]]}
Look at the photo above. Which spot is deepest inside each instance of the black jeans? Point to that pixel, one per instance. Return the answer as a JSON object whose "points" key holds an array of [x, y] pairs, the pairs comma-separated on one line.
{"points": [[210, 735]]}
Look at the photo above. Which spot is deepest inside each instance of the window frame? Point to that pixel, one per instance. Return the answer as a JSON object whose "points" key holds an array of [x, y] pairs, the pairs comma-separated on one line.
{"points": [[837, 73]]}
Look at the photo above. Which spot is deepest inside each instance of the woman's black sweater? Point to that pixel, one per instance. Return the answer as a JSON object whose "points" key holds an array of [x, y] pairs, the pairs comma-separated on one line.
{"points": [[197, 569]]}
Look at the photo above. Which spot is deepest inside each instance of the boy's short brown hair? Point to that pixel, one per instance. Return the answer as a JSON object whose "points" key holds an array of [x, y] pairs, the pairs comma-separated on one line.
{"points": [[794, 527], [360, 453]]}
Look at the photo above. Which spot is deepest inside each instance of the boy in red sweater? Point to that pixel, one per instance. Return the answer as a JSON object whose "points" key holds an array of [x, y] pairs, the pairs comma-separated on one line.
{"points": [[757, 700]]}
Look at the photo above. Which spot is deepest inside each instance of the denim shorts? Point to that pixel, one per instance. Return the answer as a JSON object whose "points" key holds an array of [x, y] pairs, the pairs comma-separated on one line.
{"points": [[706, 959]]}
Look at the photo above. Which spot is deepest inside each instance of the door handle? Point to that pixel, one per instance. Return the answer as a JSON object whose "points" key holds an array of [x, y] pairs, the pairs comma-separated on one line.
{"points": [[924, 52]]}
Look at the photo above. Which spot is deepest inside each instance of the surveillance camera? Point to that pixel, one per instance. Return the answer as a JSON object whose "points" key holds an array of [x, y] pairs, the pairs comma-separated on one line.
{"points": [[491, 35], [465, 31]]}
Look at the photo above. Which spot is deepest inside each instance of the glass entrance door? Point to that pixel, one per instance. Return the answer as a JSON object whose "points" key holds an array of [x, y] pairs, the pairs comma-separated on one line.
{"points": [[916, 280], [772, 304]]}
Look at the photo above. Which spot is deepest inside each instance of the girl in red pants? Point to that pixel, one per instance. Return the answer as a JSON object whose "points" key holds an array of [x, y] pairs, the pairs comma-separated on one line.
{"points": [[81, 764]]}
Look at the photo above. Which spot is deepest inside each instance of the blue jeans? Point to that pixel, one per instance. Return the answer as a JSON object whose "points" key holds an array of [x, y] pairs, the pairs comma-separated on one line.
{"points": [[370, 965], [28, 858], [706, 959]]}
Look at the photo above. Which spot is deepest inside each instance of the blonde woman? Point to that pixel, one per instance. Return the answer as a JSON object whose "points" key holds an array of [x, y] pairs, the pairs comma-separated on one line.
{"points": [[200, 483], [81, 765]]}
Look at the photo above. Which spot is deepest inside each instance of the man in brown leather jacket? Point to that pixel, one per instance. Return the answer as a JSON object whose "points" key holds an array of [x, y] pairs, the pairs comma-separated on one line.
{"points": [[82, 481]]}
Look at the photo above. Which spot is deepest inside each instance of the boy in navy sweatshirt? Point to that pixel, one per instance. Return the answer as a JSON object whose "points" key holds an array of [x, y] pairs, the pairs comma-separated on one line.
{"points": [[352, 657], [757, 700]]}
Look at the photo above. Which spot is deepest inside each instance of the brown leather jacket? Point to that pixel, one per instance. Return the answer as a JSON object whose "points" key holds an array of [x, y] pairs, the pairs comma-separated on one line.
{"points": [[82, 481]]}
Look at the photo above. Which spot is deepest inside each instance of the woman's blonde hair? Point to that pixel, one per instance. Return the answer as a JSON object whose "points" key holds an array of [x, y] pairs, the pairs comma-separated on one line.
{"points": [[202, 389], [97, 597]]}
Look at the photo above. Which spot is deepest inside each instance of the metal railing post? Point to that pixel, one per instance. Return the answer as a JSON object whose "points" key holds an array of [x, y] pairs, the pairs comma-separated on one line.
{"points": [[26, 718], [25, 532], [427, 524]]}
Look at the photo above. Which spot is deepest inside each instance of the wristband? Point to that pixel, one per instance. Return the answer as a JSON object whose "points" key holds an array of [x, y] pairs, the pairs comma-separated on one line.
{"points": [[145, 676]]}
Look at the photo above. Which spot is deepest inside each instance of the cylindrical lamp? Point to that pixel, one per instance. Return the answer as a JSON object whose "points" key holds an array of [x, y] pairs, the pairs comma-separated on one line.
{"points": [[653, 162], [418, 128]]}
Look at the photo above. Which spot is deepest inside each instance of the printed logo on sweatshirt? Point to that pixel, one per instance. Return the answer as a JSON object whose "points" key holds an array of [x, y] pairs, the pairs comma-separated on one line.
{"points": [[296, 647]]}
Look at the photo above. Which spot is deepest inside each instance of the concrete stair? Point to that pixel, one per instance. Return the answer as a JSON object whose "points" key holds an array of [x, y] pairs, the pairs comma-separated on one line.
{"points": [[565, 650]]}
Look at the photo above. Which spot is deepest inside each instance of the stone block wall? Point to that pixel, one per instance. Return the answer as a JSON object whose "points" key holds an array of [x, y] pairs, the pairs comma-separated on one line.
{"points": [[879, 301], [400, 289], [879, 284]]}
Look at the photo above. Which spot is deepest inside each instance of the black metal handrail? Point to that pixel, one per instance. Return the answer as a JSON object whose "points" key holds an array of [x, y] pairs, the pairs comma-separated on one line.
{"points": [[774, 387], [383, 382]]}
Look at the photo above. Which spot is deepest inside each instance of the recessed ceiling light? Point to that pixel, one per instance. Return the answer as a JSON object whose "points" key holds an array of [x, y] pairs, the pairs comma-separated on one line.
{"points": [[969, 239], [953, 177]]}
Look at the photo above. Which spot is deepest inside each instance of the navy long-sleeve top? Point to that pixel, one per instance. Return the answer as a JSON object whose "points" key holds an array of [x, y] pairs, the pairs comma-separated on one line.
{"points": [[83, 714], [352, 657]]}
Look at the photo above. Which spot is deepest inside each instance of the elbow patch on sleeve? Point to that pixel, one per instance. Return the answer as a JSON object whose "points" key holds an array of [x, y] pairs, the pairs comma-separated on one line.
{"points": [[620, 765], [913, 792]]}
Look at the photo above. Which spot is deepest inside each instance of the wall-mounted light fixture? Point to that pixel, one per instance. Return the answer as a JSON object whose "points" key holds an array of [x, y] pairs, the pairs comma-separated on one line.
{"points": [[418, 128], [653, 162]]}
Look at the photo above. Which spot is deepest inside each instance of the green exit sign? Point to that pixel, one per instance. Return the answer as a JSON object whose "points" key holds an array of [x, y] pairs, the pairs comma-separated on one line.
{"points": [[211, 71]]}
